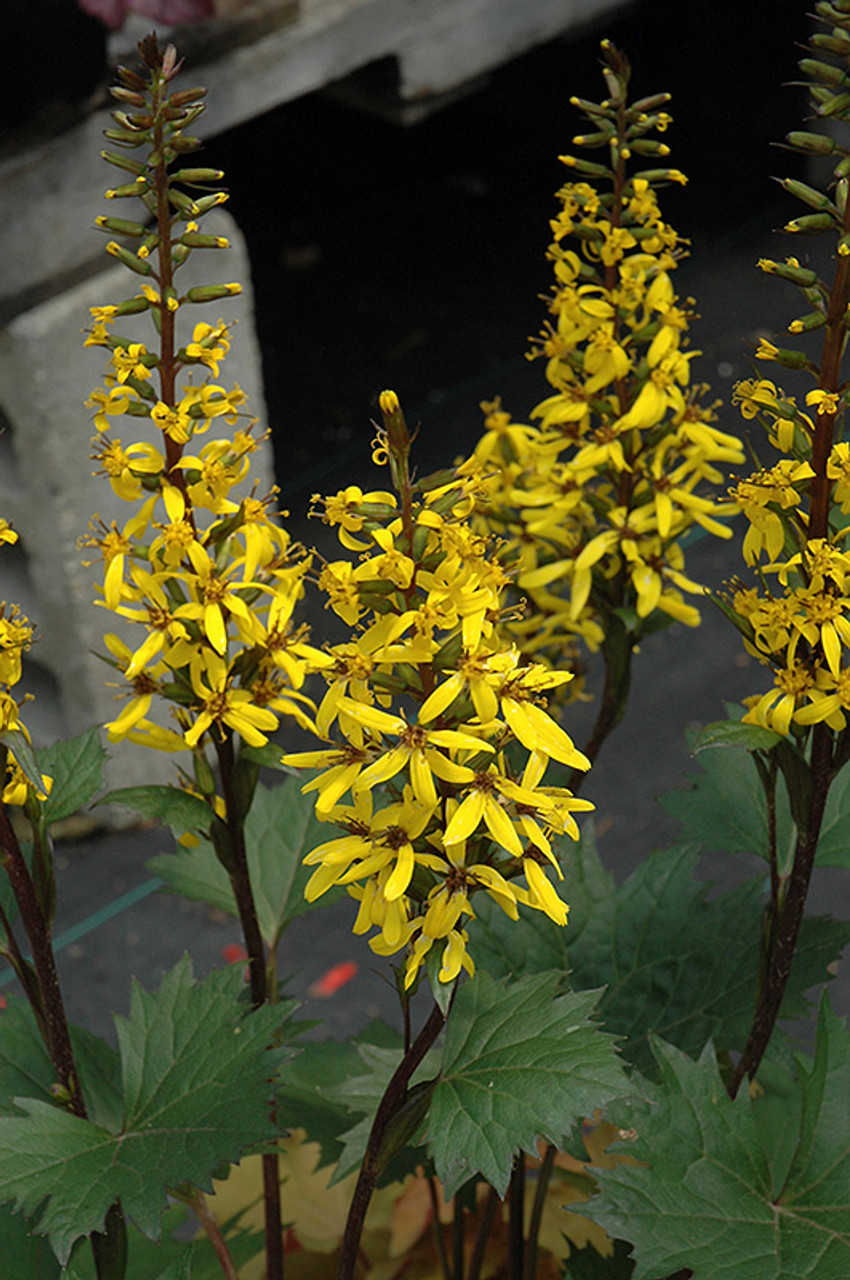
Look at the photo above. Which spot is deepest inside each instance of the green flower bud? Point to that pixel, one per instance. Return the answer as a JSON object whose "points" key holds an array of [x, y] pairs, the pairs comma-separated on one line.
{"points": [[124, 137], [129, 96], [196, 175], [212, 292], [823, 71], [649, 147], [810, 223], [120, 226], [809, 195], [834, 105], [816, 144], [195, 240], [802, 276], [210, 202], [183, 204], [123, 162], [837, 41], [183, 142], [585, 167], [592, 139], [127, 190], [805, 324], [132, 306], [129, 259], [650, 104]]}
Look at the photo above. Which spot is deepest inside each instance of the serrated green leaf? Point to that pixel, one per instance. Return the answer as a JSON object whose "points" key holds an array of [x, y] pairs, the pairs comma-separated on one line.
{"points": [[362, 1094], [25, 1256], [312, 1087], [674, 961], [587, 1264], [280, 829], [709, 1201], [733, 733], [521, 1062], [26, 1070], [723, 807], [177, 809], [76, 767], [195, 1075]]}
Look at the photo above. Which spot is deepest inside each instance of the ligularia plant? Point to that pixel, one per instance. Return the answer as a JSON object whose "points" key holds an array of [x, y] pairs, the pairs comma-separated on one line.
{"points": [[430, 698], [595, 499], [561, 1098]]}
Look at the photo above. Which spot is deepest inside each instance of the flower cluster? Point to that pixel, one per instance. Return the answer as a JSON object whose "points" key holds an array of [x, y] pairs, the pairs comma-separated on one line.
{"points": [[796, 620], [21, 779], [202, 568], [594, 499], [433, 706]]}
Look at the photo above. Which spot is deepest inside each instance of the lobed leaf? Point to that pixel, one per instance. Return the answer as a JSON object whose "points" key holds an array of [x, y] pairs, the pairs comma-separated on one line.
{"points": [[195, 1074], [714, 1199], [521, 1062]]}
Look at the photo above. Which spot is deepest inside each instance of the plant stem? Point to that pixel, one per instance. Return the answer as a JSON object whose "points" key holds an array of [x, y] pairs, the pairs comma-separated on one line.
{"points": [[787, 929], [544, 1175], [476, 1262], [516, 1207], [438, 1234], [240, 880], [457, 1235], [212, 1231], [57, 1038], [394, 1095]]}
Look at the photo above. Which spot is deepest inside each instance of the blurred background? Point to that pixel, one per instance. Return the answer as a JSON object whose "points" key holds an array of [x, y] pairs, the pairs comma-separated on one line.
{"points": [[405, 247]]}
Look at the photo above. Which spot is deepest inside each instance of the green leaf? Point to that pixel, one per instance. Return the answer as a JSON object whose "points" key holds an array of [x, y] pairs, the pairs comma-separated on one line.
{"points": [[674, 961], [724, 806], [733, 733], [279, 830], [175, 808], [26, 1070], [521, 1062], [712, 1199], [313, 1088], [76, 767], [25, 1256], [195, 1080], [586, 1264], [19, 744], [269, 756]]}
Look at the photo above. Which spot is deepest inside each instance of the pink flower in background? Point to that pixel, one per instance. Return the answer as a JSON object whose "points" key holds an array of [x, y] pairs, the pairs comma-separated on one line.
{"points": [[112, 13]]}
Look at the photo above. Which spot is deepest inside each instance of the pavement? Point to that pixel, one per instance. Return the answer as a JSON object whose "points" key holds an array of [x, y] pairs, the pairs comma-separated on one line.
{"points": [[414, 259]]}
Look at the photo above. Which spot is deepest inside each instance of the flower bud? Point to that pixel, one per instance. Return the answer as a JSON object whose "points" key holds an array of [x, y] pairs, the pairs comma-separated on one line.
{"points": [[129, 96], [183, 142], [649, 147], [834, 105], [210, 202], [131, 79], [811, 223], [816, 144], [586, 167], [650, 104], [195, 240], [795, 274], [129, 259], [837, 41], [823, 71], [127, 189], [212, 292], [119, 226], [809, 195], [124, 137], [182, 204], [185, 97], [805, 324], [196, 175]]}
